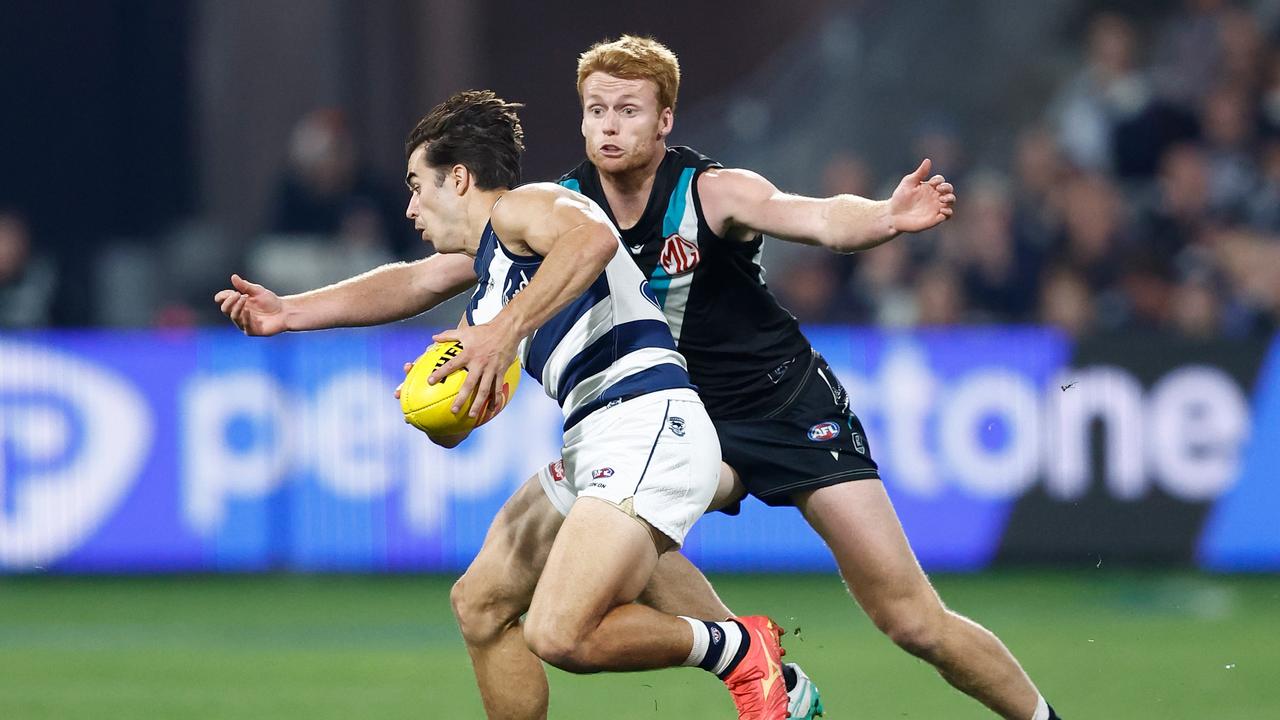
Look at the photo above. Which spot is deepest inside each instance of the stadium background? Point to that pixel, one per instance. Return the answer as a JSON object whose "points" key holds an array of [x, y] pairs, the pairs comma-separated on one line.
{"points": [[1073, 388]]}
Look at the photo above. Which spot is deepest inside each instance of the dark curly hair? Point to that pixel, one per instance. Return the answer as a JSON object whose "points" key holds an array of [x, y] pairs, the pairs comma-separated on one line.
{"points": [[476, 129]]}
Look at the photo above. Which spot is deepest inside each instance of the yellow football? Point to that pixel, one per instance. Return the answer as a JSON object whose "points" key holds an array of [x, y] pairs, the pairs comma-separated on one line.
{"points": [[430, 407]]}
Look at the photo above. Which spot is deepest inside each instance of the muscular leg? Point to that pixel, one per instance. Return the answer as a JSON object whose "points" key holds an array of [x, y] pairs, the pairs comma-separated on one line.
{"points": [[679, 588], [583, 618], [858, 523], [489, 599], [495, 591]]}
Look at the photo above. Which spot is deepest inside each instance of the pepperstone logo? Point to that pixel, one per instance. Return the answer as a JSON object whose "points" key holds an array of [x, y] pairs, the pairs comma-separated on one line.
{"points": [[73, 438]]}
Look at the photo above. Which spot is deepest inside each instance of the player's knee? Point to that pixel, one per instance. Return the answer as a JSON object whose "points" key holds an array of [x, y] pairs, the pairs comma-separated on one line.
{"points": [[918, 630], [554, 646], [480, 611]]}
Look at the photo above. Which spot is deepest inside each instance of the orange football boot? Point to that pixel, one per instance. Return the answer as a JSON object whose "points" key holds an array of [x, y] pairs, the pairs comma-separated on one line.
{"points": [[758, 688]]}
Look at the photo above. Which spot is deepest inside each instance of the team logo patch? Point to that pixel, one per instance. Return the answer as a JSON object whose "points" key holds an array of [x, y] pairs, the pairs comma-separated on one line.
{"points": [[824, 431], [602, 473], [678, 255], [557, 470], [677, 426]]}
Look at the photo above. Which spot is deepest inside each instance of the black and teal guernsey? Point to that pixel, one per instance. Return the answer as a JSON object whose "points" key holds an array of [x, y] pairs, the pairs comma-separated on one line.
{"points": [[738, 341]]}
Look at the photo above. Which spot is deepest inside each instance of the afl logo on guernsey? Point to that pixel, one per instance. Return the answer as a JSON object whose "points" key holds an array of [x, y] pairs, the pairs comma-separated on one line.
{"points": [[824, 431], [678, 256]]}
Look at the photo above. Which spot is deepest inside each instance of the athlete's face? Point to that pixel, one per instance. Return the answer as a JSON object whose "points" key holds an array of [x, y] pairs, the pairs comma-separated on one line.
{"points": [[435, 205], [622, 123]]}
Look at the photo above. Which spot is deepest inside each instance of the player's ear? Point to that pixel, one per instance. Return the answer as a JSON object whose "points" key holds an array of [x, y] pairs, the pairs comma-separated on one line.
{"points": [[666, 121], [461, 178]]}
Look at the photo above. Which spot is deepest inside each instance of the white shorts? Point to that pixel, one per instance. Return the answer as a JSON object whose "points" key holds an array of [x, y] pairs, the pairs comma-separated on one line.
{"points": [[659, 450]]}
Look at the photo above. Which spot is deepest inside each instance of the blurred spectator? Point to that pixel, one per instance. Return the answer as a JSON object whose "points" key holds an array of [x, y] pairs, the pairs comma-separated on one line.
{"points": [[1065, 302], [1146, 285], [1110, 89], [326, 192], [1229, 124], [1263, 204], [332, 219], [1196, 308], [847, 173], [1090, 242], [1269, 102], [1090, 230], [1040, 174], [939, 300], [810, 289], [1188, 51], [939, 140], [1251, 264], [880, 286], [27, 281], [1243, 50], [998, 273], [1176, 215]]}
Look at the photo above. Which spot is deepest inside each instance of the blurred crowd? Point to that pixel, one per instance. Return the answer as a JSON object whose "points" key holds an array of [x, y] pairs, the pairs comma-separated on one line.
{"points": [[1147, 197]]}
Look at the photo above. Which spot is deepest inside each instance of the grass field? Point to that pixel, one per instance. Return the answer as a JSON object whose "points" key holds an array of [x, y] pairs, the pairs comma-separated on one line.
{"points": [[1101, 645]]}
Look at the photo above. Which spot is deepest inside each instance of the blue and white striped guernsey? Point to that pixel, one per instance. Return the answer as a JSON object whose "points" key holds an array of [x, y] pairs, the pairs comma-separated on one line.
{"points": [[611, 343]]}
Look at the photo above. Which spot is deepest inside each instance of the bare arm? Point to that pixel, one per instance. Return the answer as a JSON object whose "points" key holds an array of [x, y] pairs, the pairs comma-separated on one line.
{"points": [[392, 292], [576, 241], [740, 204]]}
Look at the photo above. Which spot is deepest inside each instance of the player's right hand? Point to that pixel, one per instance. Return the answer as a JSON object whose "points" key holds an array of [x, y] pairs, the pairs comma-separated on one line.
{"points": [[254, 309]]}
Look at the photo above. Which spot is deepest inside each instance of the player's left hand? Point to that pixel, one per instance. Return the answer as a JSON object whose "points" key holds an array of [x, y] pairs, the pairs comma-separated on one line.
{"points": [[919, 204], [487, 351]]}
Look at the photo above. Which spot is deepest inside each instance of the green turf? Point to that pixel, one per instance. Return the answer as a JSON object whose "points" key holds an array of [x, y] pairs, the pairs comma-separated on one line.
{"points": [[1102, 645]]}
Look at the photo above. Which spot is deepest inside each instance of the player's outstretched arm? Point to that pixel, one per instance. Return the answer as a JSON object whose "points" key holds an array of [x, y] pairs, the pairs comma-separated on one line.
{"points": [[392, 292], [741, 204], [576, 241]]}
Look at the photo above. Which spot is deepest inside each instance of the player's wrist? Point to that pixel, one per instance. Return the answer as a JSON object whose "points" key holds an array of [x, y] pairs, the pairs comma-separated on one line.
{"points": [[514, 323], [291, 315], [887, 223]]}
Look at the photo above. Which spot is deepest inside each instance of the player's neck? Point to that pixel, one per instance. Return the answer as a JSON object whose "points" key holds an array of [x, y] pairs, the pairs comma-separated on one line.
{"points": [[628, 191], [479, 210]]}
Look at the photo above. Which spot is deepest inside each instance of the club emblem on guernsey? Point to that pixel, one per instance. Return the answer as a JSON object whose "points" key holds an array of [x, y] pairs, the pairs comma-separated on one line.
{"points": [[678, 255], [824, 431], [602, 473], [677, 426]]}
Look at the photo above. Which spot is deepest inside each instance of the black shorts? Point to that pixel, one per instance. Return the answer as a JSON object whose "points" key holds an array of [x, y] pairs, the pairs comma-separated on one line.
{"points": [[810, 440]]}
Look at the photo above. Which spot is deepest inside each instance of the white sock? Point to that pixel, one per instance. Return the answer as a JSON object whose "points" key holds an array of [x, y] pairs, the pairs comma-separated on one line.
{"points": [[1042, 709], [715, 644], [701, 641]]}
